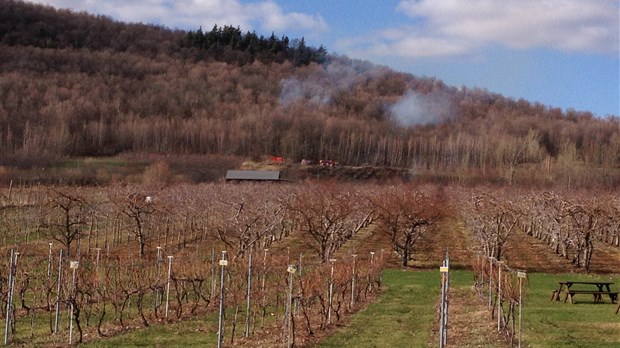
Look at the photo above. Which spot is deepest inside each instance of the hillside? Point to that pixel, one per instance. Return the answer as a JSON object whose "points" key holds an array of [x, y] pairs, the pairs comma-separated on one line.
{"points": [[76, 85]]}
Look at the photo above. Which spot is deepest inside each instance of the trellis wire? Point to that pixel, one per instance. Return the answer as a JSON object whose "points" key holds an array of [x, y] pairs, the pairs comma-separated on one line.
{"points": [[504, 283], [102, 279]]}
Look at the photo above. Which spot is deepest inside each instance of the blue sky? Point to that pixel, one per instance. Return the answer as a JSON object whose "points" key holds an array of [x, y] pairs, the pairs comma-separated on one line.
{"points": [[562, 53]]}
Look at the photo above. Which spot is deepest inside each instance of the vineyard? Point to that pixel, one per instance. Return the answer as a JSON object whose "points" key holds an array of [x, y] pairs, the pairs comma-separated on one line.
{"points": [[273, 264]]}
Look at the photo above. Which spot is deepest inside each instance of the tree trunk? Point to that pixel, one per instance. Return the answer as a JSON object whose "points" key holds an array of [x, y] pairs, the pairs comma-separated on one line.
{"points": [[407, 250]]}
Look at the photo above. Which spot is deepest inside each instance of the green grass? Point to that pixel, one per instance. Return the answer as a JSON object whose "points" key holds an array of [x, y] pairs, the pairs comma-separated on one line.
{"points": [[198, 332], [192, 333], [559, 324], [402, 316]]}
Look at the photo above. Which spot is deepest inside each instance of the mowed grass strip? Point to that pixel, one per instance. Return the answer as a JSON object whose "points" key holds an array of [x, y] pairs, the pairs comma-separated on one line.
{"points": [[189, 333], [402, 316]]}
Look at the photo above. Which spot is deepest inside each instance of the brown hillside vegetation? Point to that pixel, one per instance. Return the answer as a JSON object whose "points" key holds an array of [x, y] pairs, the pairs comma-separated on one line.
{"points": [[81, 85]]}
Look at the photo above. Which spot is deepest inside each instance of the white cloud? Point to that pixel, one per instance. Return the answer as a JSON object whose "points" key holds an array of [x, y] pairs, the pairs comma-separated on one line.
{"points": [[263, 16], [460, 27], [409, 43], [272, 18]]}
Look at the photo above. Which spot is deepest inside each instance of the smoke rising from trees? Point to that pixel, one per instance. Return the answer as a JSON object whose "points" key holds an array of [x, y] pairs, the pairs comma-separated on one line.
{"points": [[419, 109], [338, 74]]}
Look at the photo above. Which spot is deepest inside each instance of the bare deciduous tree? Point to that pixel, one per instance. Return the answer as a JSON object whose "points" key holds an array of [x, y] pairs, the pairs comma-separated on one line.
{"points": [[66, 215], [493, 220], [136, 206], [322, 212], [407, 214]]}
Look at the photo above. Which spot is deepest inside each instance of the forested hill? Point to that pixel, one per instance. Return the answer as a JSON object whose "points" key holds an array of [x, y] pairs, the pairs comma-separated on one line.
{"points": [[75, 84]]}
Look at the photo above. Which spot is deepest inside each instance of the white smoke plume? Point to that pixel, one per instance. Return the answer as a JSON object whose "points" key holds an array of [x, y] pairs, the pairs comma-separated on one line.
{"points": [[343, 74], [293, 90], [337, 75], [419, 109]]}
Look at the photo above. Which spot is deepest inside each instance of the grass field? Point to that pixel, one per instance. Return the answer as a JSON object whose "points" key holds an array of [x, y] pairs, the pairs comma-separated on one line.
{"points": [[558, 324]]}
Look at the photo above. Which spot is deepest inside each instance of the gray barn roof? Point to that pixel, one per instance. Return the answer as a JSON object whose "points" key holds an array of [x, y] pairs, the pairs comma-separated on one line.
{"points": [[257, 175]]}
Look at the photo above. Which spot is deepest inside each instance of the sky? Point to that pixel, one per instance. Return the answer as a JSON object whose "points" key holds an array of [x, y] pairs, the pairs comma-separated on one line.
{"points": [[561, 53]]}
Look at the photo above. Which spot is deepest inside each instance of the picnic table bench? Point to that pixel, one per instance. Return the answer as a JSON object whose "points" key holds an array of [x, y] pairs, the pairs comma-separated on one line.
{"points": [[602, 288]]}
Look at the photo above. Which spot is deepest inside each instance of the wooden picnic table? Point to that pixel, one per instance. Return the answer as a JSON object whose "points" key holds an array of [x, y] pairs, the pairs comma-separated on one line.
{"points": [[602, 288]]}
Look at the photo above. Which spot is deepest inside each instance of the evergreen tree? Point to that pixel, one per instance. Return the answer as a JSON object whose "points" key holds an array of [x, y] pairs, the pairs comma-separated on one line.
{"points": [[320, 55]]}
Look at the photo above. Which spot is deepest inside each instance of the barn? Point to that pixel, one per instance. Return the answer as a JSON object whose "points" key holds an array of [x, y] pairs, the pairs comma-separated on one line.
{"points": [[253, 175]]}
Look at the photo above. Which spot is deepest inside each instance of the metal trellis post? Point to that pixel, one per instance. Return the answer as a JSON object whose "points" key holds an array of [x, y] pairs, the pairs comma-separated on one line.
{"points": [[57, 323], [220, 332], [168, 284], [249, 295], [9, 299]]}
